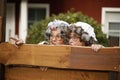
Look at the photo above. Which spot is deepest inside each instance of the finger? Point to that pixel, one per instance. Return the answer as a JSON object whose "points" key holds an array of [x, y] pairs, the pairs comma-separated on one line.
{"points": [[46, 68], [15, 45], [98, 47], [93, 47], [14, 39], [41, 68]]}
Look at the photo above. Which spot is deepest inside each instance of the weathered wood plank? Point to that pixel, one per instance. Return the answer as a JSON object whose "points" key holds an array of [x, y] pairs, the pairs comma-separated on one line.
{"points": [[30, 73], [6, 51], [107, 59], [36, 55]]}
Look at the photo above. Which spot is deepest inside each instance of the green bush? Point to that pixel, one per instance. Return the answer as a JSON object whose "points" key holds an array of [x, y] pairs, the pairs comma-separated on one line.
{"points": [[36, 31]]}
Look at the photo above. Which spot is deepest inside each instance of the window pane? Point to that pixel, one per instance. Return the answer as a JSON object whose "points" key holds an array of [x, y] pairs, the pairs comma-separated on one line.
{"points": [[114, 33], [114, 29], [41, 14], [35, 15], [31, 14], [114, 26]]}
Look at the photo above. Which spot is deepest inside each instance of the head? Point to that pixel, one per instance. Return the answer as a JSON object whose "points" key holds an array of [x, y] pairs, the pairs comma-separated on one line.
{"points": [[81, 35], [56, 32]]}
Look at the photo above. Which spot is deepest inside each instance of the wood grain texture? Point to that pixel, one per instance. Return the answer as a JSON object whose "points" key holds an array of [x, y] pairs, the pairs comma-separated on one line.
{"points": [[36, 55], [31, 73], [106, 59]]}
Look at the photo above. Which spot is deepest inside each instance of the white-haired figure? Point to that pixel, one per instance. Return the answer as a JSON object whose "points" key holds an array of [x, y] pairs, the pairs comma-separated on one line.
{"points": [[59, 32], [82, 34], [56, 32]]}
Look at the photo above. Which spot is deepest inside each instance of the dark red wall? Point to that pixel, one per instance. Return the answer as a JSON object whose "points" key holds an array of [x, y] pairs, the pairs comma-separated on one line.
{"points": [[56, 6], [91, 8]]}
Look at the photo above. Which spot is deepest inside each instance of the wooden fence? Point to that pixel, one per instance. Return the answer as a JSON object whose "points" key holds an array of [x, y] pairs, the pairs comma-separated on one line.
{"points": [[63, 62]]}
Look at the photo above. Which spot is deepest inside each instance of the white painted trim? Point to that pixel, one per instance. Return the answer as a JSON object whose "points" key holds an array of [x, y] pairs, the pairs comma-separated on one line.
{"points": [[23, 27], [103, 17], [23, 22], [10, 21], [47, 6], [114, 21]]}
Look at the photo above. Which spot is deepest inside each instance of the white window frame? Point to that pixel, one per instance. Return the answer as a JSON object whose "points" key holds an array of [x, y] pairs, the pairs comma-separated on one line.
{"points": [[10, 22], [23, 22], [47, 6], [103, 18], [113, 21], [116, 21], [105, 27]]}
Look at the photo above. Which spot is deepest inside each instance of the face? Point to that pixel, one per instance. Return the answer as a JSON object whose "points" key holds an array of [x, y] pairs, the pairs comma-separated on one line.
{"points": [[75, 40], [55, 38]]}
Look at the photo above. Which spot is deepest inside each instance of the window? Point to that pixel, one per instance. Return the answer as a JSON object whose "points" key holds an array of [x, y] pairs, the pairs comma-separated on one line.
{"points": [[10, 21], [114, 29], [111, 24], [37, 12], [114, 33]]}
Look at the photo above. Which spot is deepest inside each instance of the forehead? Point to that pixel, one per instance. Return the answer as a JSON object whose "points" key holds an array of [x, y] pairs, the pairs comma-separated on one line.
{"points": [[72, 34], [55, 31]]}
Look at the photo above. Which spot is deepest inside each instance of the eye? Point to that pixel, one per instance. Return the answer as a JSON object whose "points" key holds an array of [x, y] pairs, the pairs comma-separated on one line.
{"points": [[58, 36]]}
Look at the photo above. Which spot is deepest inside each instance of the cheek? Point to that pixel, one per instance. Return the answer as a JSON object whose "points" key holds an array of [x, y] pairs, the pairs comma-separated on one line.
{"points": [[60, 41], [75, 43], [78, 43]]}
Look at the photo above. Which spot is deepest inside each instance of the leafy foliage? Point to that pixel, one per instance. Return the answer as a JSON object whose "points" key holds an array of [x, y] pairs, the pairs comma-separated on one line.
{"points": [[36, 31]]}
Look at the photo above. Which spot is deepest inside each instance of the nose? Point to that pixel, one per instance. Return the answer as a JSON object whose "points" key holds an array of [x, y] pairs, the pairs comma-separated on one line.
{"points": [[54, 38]]}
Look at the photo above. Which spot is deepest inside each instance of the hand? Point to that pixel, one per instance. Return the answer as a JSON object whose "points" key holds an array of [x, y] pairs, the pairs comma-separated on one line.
{"points": [[96, 47], [43, 43], [43, 68], [16, 42]]}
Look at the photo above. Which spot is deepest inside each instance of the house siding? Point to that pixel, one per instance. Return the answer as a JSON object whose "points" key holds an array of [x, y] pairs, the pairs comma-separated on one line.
{"points": [[91, 8]]}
